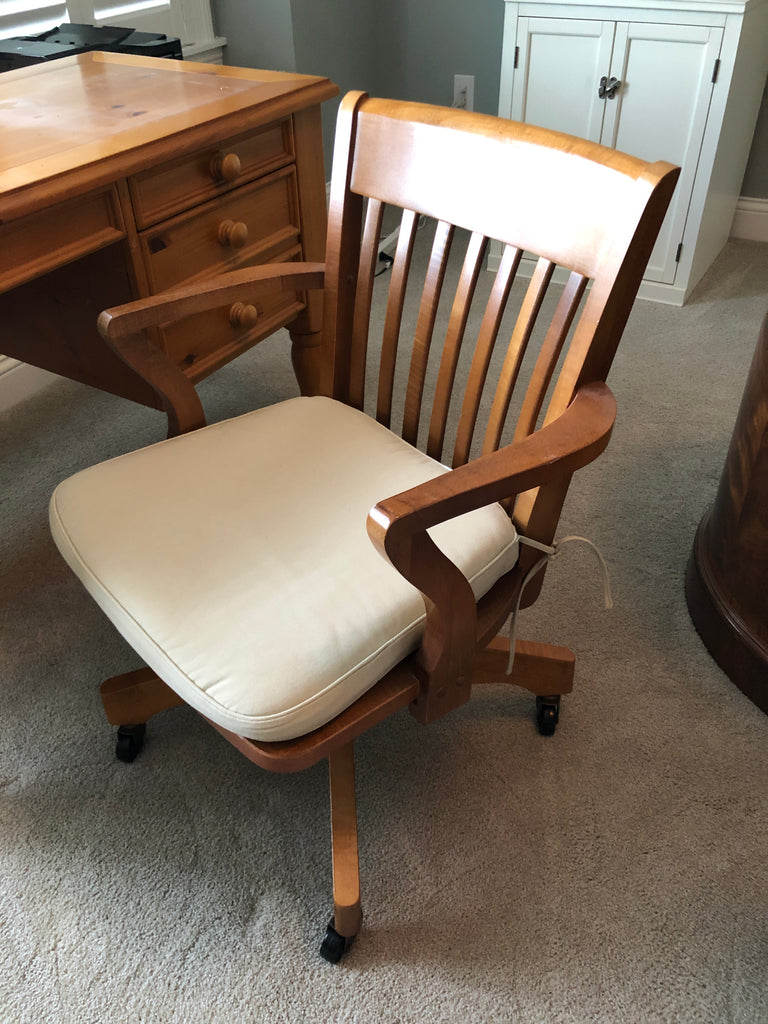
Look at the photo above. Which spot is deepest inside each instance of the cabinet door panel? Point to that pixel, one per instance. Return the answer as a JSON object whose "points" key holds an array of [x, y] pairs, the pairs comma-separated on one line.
{"points": [[660, 112], [560, 65]]}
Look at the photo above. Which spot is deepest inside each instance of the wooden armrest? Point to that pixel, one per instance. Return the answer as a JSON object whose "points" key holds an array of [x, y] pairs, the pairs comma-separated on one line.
{"points": [[398, 528], [123, 328], [570, 442], [221, 290]]}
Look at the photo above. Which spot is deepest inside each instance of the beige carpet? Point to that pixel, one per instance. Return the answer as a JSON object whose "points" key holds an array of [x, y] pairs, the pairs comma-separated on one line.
{"points": [[614, 873]]}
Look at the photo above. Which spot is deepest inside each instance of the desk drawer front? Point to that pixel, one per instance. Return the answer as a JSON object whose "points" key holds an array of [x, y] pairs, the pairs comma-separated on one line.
{"points": [[200, 344], [181, 184], [231, 232], [43, 241]]}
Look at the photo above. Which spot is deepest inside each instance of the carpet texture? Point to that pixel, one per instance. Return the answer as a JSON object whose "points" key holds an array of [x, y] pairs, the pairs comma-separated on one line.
{"points": [[613, 873]]}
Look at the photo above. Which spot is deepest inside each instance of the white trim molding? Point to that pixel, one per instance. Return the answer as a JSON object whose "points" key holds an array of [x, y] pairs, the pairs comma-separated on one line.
{"points": [[7, 364], [206, 53], [19, 381], [750, 220]]}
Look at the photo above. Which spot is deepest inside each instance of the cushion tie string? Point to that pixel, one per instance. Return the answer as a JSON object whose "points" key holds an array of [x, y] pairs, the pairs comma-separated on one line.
{"points": [[550, 552]]}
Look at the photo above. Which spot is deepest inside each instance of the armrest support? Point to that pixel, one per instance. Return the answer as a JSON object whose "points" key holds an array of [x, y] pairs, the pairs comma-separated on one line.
{"points": [[570, 442], [221, 290], [398, 528], [123, 327]]}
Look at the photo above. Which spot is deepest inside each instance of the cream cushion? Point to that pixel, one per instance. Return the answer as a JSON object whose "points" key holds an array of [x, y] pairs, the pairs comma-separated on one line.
{"points": [[235, 560]]}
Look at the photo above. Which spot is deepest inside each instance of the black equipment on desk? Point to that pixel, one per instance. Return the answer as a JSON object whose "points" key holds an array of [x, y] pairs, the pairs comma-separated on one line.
{"points": [[66, 40]]}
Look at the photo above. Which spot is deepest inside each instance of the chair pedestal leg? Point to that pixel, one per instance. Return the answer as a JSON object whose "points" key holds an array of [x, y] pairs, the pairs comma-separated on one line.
{"points": [[347, 911]]}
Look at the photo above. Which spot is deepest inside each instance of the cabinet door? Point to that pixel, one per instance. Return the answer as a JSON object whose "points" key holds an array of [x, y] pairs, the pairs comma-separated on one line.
{"points": [[559, 65], [660, 112]]}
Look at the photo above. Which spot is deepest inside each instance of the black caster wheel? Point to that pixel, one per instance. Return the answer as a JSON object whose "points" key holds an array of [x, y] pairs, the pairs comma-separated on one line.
{"points": [[547, 714], [333, 946], [130, 740]]}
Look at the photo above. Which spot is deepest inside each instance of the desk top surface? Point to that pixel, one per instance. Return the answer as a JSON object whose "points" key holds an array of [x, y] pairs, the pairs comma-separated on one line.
{"points": [[76, 111]]}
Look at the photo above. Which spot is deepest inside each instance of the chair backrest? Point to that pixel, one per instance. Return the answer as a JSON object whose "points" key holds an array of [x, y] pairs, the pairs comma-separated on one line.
{"points": [[561, 201]]}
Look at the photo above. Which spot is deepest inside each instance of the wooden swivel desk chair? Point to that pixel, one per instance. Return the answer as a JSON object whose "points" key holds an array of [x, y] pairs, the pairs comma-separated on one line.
{"points": [[248, 583]]}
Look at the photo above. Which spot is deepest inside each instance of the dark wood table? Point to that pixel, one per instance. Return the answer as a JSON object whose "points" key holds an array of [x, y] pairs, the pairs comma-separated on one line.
{"points": [[726, 583]]}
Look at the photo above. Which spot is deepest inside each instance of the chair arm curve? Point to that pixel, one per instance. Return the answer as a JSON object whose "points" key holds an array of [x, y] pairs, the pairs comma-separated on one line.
{"points": [[220, 290], [123, 329], [570, 442], [398, 528]]}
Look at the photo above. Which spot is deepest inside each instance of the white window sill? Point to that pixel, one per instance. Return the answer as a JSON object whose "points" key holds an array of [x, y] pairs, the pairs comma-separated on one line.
{"points": [[207, 52]]}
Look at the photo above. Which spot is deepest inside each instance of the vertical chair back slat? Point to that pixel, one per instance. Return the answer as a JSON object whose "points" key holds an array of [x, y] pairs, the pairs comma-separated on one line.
{"points": [[369, 255], [486, 341], [453, 340], [425, 326], [394, 315], [549, 353], [526, 321]]}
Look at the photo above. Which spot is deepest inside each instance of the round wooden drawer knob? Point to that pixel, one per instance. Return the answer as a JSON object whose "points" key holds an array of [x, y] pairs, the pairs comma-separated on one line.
{"points": [[225, 167], [243, 315], [233, 233]]}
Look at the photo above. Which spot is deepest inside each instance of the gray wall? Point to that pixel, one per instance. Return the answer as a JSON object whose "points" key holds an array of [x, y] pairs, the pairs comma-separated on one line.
{"points": [[337, 38], [756, 175], [334, 38], [424, 43], [404, 49], [259, 33]]}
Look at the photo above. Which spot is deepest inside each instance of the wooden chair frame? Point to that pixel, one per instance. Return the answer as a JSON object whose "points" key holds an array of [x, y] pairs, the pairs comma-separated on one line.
{"points": [[376, 141]]}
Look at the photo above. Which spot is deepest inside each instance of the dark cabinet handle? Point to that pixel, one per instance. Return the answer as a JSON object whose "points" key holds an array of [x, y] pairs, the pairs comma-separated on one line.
{"points": [[608, 87]]}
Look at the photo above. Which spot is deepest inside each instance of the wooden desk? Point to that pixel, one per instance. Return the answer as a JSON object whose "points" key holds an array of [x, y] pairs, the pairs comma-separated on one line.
{"points": [[121, 176]]}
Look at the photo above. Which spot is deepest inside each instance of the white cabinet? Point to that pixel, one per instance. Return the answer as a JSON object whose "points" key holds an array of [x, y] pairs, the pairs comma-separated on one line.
{"points": [[677, 80]]}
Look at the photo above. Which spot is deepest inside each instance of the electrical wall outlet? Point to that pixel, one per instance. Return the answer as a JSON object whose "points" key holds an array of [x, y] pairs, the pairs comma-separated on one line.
{"points": [[464, 91]]}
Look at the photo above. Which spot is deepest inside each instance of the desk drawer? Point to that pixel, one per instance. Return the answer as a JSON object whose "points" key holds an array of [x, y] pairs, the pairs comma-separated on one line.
{"points": [[43, 241], [202, 343], [181, 184], [231, 232]]}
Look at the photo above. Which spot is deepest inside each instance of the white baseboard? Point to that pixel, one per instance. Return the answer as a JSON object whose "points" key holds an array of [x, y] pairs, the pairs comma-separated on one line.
{"points": [[210, 52], [750, 220], [19, 380]]}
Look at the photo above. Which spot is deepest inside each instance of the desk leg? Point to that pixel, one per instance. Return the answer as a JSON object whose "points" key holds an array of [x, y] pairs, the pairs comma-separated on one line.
{"points": [[312, 372], [310, 171]]}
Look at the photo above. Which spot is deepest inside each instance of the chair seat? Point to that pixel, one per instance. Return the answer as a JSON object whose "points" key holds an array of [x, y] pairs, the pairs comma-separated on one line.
{"points": [[235, 560]]}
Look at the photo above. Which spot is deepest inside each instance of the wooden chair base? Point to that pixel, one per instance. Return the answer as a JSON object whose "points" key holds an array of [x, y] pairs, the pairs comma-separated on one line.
{"points": [[134, 697], [543, 669]]}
